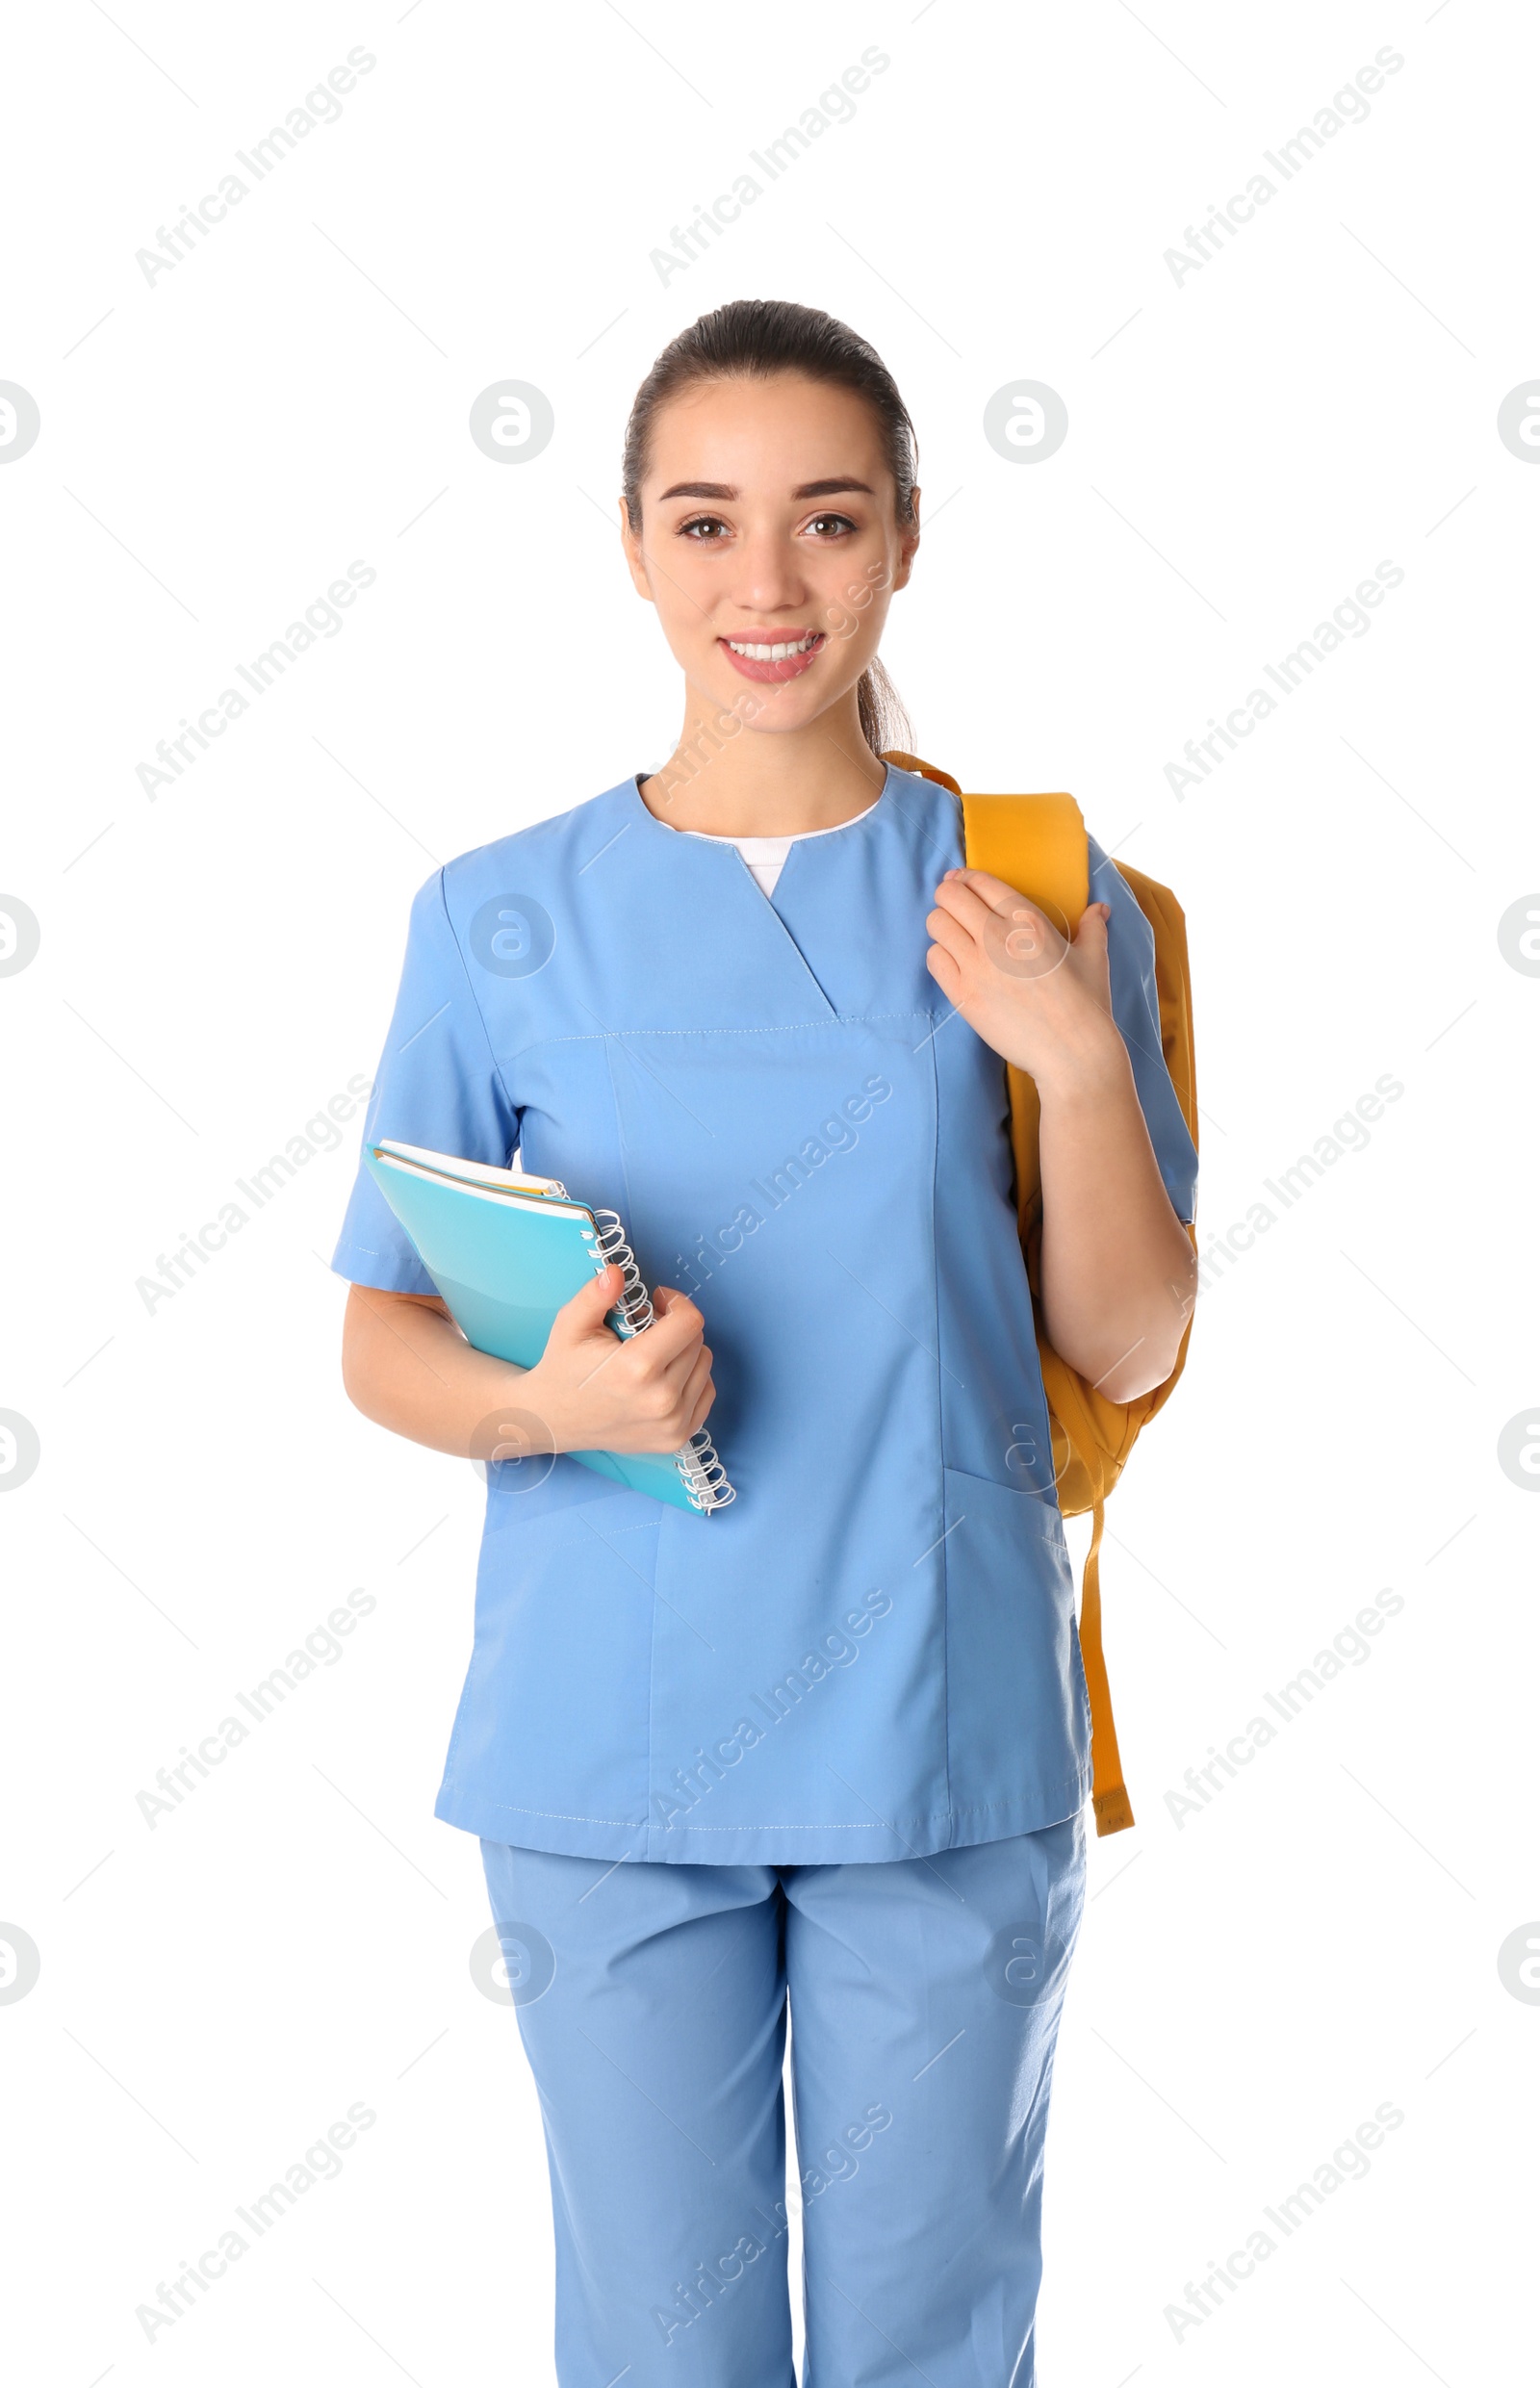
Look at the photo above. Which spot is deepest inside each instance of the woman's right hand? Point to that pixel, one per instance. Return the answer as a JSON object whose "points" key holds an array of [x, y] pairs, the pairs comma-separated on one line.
{"points": [[594, 1391]]}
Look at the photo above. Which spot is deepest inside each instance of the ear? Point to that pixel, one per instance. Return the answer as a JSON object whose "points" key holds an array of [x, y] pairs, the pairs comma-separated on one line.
{"points": [[908, 541], [636, 562]]}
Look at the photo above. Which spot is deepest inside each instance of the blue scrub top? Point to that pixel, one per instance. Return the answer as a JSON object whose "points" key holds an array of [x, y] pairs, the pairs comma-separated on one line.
{"points": [[872, 1654]]}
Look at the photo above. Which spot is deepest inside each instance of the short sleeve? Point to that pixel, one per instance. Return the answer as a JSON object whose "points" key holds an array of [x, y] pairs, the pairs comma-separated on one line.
{"points": [[1135, 1008], [438, 1085]]}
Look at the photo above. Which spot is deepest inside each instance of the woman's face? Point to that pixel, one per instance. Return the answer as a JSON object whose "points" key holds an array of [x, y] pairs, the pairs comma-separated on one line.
{"points": [[769, 522]]}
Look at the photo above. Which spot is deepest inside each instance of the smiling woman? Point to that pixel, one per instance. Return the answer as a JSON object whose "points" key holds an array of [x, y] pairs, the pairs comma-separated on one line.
{"points": [[777, 928], [750, 388]]}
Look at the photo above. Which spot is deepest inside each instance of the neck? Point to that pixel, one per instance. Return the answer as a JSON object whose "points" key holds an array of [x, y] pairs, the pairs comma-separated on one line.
{"points": [[765, 783]]}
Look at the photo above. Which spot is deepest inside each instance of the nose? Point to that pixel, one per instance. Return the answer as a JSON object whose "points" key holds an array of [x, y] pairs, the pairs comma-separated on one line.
{"points": [[770, 579]]}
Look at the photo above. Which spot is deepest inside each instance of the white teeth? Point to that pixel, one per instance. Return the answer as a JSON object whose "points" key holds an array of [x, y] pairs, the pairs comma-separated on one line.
{"points": [[773, 655]]}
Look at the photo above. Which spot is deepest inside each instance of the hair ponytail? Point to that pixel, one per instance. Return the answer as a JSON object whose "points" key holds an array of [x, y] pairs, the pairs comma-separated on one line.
{"points": [[884, 721], [752, 339]]}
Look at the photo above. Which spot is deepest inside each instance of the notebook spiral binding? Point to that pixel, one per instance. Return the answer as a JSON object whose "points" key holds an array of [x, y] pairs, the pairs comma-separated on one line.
{"points": [[635, 1304], [701, 1472], [703, 1475]]}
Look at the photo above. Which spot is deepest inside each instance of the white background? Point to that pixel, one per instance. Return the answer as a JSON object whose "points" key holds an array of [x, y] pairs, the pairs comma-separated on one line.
{"points": [[1245, 445]]}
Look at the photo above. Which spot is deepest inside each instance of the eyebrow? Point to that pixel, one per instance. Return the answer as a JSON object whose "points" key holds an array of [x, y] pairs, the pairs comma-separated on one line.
{"points": [[808, 489]]}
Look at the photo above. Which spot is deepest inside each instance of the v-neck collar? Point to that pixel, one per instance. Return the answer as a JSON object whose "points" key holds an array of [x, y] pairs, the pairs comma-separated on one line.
{"points": [[768, 910]]}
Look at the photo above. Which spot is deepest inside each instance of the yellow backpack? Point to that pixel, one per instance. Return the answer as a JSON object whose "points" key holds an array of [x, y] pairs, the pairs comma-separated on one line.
{"points": [[1037, 844]]}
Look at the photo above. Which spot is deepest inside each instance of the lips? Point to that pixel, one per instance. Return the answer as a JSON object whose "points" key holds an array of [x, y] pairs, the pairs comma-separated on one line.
{"points": [[773, 655]]}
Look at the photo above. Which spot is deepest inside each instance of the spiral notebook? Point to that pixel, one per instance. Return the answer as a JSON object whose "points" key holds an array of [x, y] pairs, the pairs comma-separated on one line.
{"points": [[505, 1251]]}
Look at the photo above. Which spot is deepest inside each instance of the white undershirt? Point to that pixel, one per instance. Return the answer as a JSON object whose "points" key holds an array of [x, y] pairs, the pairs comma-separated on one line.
{"points": [[766, 855]]}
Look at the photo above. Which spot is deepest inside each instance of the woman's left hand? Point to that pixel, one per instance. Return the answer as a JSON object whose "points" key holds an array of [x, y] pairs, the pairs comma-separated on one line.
{"points": [[1040, 1000]]}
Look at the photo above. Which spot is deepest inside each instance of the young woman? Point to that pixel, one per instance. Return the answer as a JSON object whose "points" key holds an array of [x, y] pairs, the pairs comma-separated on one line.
{"points": [[830, 1745]]}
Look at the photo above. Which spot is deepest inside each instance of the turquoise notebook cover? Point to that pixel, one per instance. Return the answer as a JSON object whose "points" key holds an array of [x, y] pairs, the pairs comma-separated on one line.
{"points": [[505, 1266]]}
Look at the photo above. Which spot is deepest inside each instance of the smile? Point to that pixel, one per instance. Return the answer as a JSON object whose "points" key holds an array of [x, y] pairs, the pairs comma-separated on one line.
{"points": [[774, 659]]}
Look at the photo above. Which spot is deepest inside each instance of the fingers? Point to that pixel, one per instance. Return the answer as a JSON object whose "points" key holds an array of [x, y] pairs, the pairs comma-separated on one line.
{"points": [[962, 888], [643, 1391], [970, 898], [676, 1324], [661, 1363], [1090, 947], [997, 893], [950, 935], [677, 1321], [586, 1311], [946, 973], [670, 1369], [982, 904], [699, 1395], [671, 1402]]}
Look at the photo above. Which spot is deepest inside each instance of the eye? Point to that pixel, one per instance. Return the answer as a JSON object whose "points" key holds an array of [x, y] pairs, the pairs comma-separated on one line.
{"points": [[703, 528], [831, 526]]}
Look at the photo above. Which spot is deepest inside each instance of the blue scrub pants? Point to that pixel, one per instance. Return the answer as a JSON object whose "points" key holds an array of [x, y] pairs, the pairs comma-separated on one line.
{"points": [[925, 1998]]}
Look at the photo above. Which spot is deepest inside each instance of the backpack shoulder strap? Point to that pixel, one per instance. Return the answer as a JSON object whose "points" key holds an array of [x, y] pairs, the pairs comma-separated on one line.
{"points": [[1037, 844], [901, 761]]}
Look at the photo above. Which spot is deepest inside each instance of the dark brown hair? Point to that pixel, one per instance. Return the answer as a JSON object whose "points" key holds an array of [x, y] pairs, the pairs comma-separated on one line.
{"points": [[754, 339]]}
